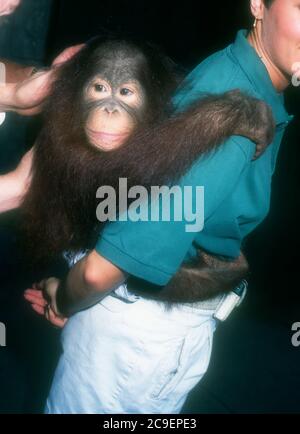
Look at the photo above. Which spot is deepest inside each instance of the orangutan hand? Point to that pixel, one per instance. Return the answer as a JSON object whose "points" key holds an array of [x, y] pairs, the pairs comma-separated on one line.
{"points": [[40, 303]]}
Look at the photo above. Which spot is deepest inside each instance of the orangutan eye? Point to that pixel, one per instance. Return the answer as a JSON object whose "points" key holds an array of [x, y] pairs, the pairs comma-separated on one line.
{"points": [[99, 88], [125, 92]]}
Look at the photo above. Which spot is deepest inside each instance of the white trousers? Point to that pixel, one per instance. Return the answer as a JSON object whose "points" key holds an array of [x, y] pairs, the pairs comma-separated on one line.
{"points": [[127, 355]]}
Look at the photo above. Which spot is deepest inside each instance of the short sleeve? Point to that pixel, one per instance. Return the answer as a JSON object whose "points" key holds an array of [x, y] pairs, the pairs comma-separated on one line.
{"points": [[154, 250]]}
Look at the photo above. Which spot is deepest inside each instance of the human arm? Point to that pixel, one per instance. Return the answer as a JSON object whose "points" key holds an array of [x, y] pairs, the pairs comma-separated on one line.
{"points": [[10, 192], [154, 250], [144, 249], [13, 186], [16, 73], [20, 90], [90, 280], [25, 92]]}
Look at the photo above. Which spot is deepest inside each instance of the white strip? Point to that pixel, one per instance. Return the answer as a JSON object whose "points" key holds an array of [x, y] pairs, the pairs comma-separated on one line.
{"points": [[2, 82], [2, 118]]}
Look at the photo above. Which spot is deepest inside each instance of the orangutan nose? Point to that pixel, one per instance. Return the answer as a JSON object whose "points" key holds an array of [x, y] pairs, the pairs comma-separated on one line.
{"points": [[110, 108]]}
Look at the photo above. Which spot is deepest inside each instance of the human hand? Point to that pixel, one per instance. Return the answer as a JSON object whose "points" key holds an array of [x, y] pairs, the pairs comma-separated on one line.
{"points": [[7, 7], [26, 97], [40, 305], [67, 54]]}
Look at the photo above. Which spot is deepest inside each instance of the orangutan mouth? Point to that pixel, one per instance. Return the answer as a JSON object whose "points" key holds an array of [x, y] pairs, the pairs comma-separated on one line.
{"points": [[106, 137]]}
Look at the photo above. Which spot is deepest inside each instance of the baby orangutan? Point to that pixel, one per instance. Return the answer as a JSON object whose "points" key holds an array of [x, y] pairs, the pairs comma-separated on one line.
{"points": [[110, 117]]}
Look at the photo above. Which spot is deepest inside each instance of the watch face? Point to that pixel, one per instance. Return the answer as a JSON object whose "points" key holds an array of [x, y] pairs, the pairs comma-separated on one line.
{"points": [[2, 118]]}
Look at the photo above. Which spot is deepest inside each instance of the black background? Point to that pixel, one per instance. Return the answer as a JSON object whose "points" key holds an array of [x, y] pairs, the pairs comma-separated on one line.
{"points": [[254, 367]]}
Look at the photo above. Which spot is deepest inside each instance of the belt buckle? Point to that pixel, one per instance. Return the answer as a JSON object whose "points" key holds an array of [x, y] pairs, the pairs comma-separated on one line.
{"points": [[233, 299]]}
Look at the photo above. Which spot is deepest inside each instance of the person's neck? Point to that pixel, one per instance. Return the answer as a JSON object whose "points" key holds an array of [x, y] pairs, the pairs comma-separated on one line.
{"points": [[279, 80]]}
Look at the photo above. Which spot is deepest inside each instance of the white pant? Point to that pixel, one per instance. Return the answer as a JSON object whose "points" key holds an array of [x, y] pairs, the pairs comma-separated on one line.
{"points": [[127, 355]]}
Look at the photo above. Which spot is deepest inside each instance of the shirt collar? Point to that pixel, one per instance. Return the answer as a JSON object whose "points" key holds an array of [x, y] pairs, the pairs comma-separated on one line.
{"points": [[258, 75]]}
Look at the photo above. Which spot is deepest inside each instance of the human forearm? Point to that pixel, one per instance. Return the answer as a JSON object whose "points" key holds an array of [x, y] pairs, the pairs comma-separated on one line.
{"points": [[14, 185], [74, 292], [11, 192], [6, 97], [90, 280]]}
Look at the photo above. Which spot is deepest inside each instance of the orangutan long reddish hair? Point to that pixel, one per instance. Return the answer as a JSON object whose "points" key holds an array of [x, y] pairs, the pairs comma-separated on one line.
{"points": [[60, 207]]}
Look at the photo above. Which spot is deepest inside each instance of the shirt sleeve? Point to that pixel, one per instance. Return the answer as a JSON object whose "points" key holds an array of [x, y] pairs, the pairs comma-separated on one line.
{"points": [[154, 250]]}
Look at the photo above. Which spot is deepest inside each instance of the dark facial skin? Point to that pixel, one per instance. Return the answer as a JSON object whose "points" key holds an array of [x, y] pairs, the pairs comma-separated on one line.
{"points": [[114, 98]]}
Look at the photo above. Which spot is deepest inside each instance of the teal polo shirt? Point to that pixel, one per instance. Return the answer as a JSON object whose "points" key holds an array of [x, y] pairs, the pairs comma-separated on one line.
{"points": [[236, 190]]}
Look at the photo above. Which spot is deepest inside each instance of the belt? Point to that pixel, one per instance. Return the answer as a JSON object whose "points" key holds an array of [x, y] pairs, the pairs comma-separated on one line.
{"points": [[223, 304]]}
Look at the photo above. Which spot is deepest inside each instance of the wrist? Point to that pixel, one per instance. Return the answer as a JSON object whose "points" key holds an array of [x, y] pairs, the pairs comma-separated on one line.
{"points": [[7, 97], [61, 299], [11, 194], [21, 181], [17, 73], [18, 185]]}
